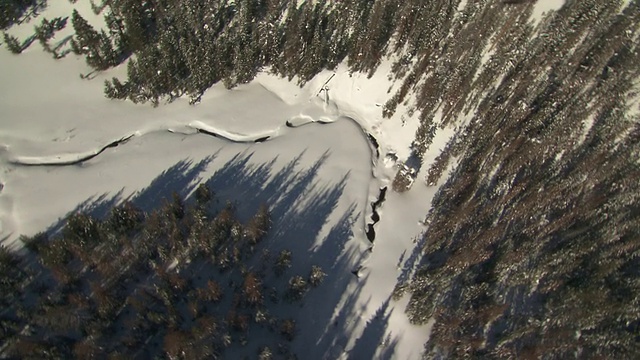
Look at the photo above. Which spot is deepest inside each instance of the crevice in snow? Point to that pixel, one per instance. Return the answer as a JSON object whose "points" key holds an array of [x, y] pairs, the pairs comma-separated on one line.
{"points": [[69, 159], [375, 216], [374, 143], [195, 127]]}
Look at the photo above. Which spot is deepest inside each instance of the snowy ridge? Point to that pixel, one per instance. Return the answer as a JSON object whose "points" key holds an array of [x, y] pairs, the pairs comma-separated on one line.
{"points": [[67, 159], [195, 127]]}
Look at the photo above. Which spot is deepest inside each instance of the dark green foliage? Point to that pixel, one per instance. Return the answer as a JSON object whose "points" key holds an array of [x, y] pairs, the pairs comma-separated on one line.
{"points": [[297, 288], [186, 49], [117, 32], [56, 253], [532, 237], [12, 43], [203, 194], [96, 46], [177, 206], [47, 30], [124, 218], [136, 20], [16, 11], [531, 248], [114, 89], [265, 353], [7, 259], [82, 230], [36, 242], [288, 329]]}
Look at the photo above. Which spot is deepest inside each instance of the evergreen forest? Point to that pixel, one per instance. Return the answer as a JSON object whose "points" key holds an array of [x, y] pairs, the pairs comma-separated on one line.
{"points": [[180, 281], [532, 244]]}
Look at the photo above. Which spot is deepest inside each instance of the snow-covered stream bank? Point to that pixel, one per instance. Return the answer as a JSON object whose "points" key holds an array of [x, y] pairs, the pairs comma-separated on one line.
{"points": [[310, 157]]}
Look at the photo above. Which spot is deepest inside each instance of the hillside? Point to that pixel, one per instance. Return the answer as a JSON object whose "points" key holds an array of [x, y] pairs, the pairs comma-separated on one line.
{"points": [[483, 156]]}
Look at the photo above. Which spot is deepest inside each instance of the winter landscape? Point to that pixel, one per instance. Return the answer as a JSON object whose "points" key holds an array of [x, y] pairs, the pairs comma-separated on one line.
{"points": [[275, 179]]}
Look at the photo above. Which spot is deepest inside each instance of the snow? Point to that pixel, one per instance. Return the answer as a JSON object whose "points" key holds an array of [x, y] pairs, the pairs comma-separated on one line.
{"points": [[52, 120], [361, 98], [587, 124], [543, 7], [462, 5]]}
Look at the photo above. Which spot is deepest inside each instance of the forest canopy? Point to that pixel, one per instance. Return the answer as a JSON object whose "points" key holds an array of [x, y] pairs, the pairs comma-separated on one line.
{"points": [[179, 281], [531, 247]]}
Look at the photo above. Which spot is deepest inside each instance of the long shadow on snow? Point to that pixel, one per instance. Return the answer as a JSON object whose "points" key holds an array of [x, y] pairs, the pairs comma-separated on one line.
{"points": [[373, 336], [96, 206], [301, 205], [181, 178]]}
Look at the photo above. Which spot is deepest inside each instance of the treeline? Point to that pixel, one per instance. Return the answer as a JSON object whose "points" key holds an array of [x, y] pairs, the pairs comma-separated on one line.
{"points": [[177, 282], [183, 48]]}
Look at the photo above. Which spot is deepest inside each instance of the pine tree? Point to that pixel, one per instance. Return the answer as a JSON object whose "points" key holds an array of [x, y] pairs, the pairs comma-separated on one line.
{"points": [[108, 57], [114, 89], [203, 195], [86, 37], [283, 262], [47, 30], [288, 329], [96, 46], [316, 276], [297, 288], [117, 32], [252, 289], [12, 43], [259, 225]]}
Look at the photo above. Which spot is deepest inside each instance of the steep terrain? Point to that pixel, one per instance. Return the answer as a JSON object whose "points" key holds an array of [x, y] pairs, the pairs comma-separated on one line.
{"points": [[493, 147]]}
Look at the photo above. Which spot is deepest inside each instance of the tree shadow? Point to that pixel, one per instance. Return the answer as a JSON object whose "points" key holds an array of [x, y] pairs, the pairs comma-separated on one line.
{"points": [[373, 336], [181, 178], [412, 262], [58, 52], [18, 13], [301, 206], [96, 206], [309, 217]]}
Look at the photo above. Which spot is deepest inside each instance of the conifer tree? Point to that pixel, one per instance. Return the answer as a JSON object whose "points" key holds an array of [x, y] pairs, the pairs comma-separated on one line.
{"points": [[86, 37], [12, 43], [114, 89], [96, 46]]}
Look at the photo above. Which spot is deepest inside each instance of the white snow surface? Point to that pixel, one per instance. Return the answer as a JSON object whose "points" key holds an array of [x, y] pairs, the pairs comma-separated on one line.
{"points": [[321, 171], [543, 7]]}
